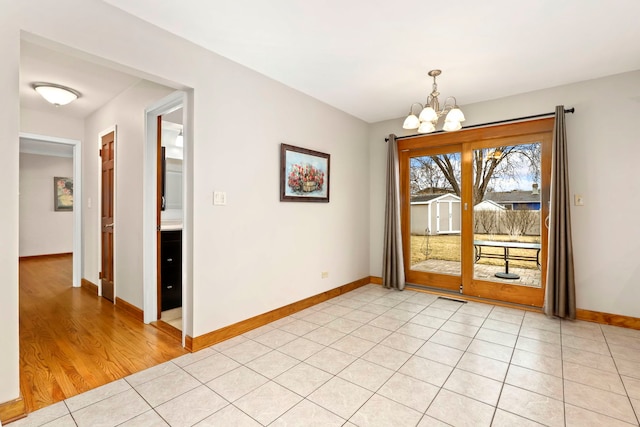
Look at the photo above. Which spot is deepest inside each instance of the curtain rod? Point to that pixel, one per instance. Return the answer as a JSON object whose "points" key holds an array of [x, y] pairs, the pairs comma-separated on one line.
{"points": [[536, 116]]}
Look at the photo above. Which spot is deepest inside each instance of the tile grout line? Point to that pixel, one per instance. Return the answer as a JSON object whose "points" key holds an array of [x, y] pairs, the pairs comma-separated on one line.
{"points": [[635, 412], [454, 367], [504, 380]]}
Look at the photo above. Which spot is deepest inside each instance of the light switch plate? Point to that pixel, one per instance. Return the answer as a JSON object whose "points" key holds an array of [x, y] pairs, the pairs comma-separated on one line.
{"points": [[219, 198], [578, 200]]}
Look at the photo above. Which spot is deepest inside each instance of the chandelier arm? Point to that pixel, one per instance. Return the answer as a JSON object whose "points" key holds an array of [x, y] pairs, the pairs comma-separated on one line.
{"points": [[415, 103], [447, 107]]}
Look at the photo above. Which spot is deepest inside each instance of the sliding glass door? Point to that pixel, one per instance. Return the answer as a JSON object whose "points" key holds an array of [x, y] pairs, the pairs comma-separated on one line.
{"points": [[474, 205]]}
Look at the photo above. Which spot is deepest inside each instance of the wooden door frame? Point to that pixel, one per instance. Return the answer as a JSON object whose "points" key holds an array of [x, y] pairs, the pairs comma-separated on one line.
{"points": [[77, 197], [159, 191], [107, 131], [477, 138], [149, 233]]}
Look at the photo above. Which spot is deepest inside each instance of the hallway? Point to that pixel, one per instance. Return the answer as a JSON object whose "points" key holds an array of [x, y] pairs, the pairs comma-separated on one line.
{"points": [[72, 341]]}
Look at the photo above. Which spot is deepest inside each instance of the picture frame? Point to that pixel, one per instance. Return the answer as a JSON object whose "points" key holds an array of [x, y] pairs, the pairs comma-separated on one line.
{"points": [[62, 194], [304, 175]]}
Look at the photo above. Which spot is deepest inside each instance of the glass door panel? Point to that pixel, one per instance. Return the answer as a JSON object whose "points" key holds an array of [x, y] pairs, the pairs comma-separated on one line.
{"points": [[506, 214], [509, 235], [434, 218]]}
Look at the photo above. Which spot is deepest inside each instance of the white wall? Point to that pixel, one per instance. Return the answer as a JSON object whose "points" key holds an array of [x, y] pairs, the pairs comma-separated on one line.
{"points": [[48, 124], [258, 253], [10, 113], [251, 256], [603, 157], [127, 112], [43, 230]]}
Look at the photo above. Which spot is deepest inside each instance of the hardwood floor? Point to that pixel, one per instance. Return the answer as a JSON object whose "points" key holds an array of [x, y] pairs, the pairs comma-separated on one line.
{"points": [[72, 341]]}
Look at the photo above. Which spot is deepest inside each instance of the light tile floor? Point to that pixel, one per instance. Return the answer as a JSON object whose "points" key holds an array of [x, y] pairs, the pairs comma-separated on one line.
{"points": [[375, 357]]}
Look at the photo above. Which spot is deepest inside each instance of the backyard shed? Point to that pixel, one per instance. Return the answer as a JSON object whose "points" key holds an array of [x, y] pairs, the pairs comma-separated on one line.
{"points": [[435, 214]]}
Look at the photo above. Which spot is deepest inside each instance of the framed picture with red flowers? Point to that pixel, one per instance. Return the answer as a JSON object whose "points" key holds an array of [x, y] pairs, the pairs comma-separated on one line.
{"points": [[62, 194], [304, 175]]}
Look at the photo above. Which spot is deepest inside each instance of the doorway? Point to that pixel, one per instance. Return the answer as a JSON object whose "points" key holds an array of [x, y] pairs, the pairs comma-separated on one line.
{"points": [[170, 206], [473, 210], [50, 145], [167, 127]]}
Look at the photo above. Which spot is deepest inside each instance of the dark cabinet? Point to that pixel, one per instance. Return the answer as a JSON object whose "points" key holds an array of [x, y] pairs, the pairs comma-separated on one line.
{"points": [[171, 269]]}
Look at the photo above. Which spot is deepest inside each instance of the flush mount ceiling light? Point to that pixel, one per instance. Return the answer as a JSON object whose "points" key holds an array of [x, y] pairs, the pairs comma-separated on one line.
{"points": [[431, 112], [56, 94]]}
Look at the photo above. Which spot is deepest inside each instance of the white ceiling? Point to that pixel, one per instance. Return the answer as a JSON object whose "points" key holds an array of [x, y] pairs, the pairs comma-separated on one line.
{"points": [[370, 58], [96, 84]]}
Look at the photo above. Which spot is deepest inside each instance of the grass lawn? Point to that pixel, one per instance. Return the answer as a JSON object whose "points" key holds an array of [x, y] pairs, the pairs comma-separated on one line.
{"points": [[447, 247]]}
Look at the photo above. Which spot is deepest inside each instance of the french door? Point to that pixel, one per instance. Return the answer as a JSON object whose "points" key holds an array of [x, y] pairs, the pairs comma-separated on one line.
{"points": [[474, 205]]}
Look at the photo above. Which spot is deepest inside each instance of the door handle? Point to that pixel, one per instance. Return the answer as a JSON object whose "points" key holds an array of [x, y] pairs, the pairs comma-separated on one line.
{"points": [[109, 225]]}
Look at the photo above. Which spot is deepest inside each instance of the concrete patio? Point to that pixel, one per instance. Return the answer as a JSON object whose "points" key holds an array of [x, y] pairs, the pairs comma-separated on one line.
{"points": [[528, 276]]}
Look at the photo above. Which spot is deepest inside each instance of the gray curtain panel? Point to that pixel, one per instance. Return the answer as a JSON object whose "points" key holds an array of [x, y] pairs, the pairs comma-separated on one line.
{"points": [[560, 295], [393, 261]]}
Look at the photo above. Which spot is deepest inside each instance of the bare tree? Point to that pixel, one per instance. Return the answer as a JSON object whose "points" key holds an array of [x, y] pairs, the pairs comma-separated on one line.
{"points": [[426, 175], [489, 164]]}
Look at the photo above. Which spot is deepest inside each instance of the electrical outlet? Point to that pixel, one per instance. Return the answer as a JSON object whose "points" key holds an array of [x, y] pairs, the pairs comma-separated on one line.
{"points": [[578, 200], [325, 275]]}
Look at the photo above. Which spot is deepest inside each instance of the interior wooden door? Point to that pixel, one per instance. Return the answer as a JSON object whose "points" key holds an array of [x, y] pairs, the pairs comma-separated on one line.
{"points": [[107, 155]]}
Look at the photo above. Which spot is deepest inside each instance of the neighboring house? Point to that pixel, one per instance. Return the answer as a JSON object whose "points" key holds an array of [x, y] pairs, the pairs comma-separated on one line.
{"points": [[488, 205], [515, 200], [435, 214]]}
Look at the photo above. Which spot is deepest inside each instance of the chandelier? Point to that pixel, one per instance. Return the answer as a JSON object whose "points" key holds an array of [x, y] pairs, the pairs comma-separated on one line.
{"points": [[431, 112]]}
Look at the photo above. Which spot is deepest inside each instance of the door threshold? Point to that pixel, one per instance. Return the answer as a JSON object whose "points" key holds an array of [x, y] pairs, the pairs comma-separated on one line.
{"points": [[458, 296], [168, 329]]}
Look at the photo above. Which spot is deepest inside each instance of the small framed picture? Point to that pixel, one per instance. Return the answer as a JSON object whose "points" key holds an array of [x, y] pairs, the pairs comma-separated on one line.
{"points": [[62, 194], [304, 175]]}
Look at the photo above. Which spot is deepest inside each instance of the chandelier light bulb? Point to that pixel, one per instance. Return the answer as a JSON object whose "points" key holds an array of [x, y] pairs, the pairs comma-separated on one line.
{"points": [[428, 115], [411, 122], [426, 127], [451, 126], [455, 115]]}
